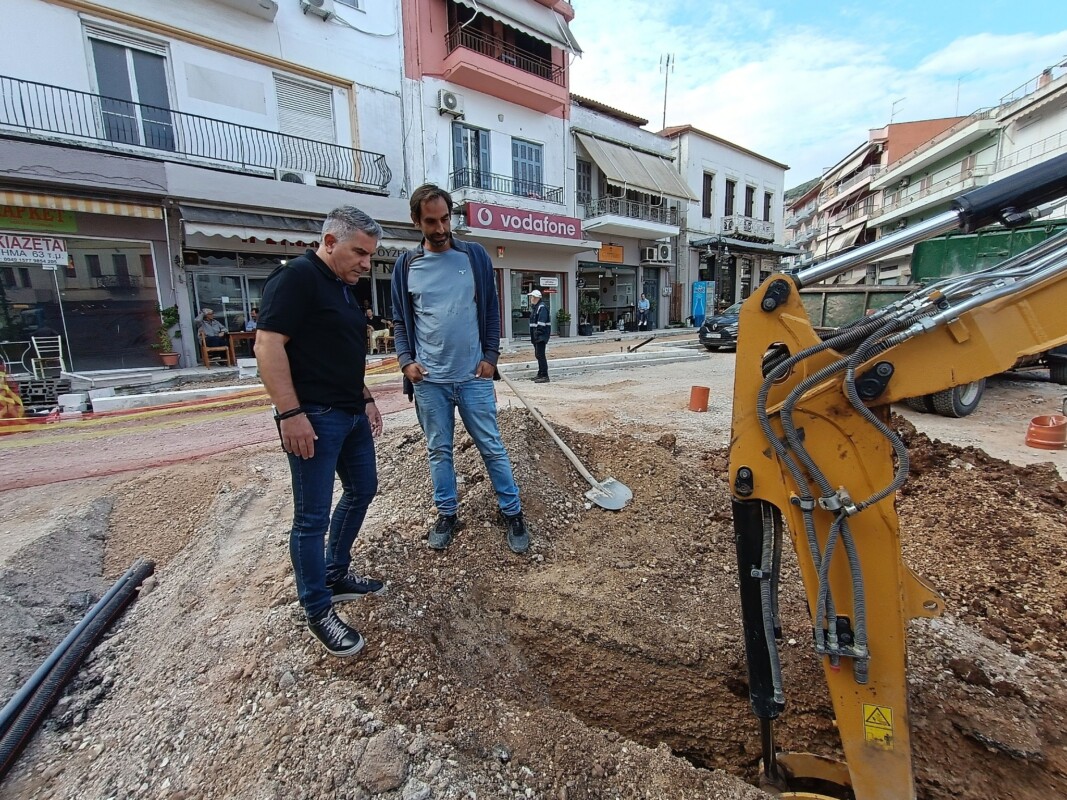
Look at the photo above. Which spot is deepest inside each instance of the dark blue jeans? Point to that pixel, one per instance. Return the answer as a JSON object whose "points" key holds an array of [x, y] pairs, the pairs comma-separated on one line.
{"points": [[542, 358], [345, 447]]}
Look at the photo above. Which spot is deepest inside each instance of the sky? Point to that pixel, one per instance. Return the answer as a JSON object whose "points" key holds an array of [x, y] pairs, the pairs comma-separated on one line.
{"points": [[802, 82]]}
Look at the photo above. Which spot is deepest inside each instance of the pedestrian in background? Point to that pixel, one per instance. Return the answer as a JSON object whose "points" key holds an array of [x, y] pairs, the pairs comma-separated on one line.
{"points": [[446, 319], [643, 305], [540, 333], [311, 347]]}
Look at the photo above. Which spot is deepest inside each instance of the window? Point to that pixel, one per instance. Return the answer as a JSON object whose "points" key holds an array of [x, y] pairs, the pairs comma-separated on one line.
{"points": [[526, 169], [148, 269], [131, 78], [707, 203], [470, 154], [750, 201], [72, 272], [731, 191], [584, 178], [9, 277], [122, 269], [304, 110], [356, 4], [767, 200], [24, 278], [93, 264]]}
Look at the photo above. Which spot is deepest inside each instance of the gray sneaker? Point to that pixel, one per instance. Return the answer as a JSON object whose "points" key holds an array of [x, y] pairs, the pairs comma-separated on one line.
{"points": [[517, 532], [440, 536]]}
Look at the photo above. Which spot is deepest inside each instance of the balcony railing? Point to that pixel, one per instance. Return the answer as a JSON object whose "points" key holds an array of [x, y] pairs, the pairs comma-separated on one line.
{"points": [[499, 50], [839, 188], [852, 213], [800, 214], [93, 120], [118, 283], [966, 122], [631, 209], [747, 226], [967, 179], [505, 184]]}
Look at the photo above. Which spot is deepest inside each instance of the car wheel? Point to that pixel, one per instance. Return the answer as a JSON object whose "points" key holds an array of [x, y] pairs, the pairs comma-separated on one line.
{"points": [[959, 401], [710, 349]]}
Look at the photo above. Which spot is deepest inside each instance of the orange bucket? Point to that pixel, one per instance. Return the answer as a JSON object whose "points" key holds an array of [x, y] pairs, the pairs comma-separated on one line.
{"points": [[698, 398], [1048, 432]]}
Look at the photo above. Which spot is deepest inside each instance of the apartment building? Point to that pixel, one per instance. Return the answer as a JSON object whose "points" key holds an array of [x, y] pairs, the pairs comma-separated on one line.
{"points": [[488, 87], [175, 153], [731, 230], [801, 223]]}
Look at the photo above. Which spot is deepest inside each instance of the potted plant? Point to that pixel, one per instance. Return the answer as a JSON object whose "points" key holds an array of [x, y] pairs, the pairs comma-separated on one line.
{"points": [[163, 345], [563, 322], [589, 306]]}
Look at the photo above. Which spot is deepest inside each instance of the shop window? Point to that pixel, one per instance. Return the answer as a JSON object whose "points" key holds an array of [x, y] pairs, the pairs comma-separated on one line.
{"points": [[148, 269], [92, 262], [24, 278], [8, 275], [707, 203]]}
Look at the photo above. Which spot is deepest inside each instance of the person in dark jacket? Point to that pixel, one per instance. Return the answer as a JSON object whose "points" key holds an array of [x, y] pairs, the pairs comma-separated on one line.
{"points": [[540, 332], [446, 319]]}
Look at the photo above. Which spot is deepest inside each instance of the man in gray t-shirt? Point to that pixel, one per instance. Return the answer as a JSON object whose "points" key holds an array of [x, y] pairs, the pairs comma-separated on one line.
{"points": [[447, 333]]}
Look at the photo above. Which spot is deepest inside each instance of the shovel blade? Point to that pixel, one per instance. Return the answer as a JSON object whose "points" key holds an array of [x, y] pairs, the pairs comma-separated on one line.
{"points": [[610, 494]]}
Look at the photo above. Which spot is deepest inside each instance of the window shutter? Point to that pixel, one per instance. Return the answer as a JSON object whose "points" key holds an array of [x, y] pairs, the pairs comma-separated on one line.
{"points": [[305, 110]]}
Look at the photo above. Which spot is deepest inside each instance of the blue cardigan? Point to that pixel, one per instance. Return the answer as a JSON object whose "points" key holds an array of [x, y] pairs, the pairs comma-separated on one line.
{"points": [[485, 297]]}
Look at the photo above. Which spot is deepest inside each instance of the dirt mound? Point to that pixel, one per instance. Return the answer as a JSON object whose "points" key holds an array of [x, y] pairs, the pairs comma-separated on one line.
{"points": [[608, 662]]}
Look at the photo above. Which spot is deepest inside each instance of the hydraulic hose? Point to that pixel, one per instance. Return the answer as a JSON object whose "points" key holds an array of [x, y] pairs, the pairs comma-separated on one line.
{"points": [[24, 713]]}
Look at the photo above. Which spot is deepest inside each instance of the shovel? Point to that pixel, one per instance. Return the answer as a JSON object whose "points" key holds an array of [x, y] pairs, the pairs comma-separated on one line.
{"points": [[608, 493]]}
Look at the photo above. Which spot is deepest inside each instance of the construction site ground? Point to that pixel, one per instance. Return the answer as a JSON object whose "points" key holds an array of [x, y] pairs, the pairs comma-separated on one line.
{"points": [[608, 662]]}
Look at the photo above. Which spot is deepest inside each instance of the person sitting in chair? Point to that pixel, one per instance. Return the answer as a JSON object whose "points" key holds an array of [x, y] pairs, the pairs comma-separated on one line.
{"points": [[252, 321], [214, 331]]}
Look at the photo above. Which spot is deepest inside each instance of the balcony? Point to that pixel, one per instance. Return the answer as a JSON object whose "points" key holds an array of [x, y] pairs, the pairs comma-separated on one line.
{"points": [[622, 217], [118, 284], [842, 188], [965, 132], [800, 215], [858, 212], [738, 225], [40, 111], [803, 236], [897, 205], [488, 64], [504, 184]]}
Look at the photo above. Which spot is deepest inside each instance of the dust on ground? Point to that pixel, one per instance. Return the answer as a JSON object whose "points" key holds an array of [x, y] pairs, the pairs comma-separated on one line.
{"points": [[608, 662]]}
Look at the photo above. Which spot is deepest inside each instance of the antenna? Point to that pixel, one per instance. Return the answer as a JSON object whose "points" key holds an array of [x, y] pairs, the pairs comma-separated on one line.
{"points": [[666, 66], [893, 110]]}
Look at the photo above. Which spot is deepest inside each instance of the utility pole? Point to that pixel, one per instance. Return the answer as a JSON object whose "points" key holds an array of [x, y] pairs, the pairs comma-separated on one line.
{"points": [[666, 66]]}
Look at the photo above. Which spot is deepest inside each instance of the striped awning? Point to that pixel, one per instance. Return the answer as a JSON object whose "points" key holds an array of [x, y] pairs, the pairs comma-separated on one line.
{"points": [[83, 204]]}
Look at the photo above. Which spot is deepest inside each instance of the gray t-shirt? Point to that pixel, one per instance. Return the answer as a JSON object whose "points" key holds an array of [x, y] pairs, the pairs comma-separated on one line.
{"points": [[446, 319]]}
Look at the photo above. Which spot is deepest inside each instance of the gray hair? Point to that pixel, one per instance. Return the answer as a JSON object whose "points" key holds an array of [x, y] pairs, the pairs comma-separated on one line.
{"points": [[343, 222]]}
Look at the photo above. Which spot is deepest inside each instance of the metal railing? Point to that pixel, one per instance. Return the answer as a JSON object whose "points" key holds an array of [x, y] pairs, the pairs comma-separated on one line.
{"points": [[748, 226], [967, 179], [1032, 85], [977, 116], [118, 283], [505, 184], [169, 135], [801, 214], [867, 173], [499, 50], [631, 209]]}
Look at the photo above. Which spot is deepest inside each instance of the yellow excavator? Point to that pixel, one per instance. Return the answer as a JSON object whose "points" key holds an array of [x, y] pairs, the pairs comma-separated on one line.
{"points": [[811, 446]]}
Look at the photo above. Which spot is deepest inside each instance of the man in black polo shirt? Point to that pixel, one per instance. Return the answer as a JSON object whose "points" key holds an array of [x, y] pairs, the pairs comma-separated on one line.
{"points": [[311, 346]]}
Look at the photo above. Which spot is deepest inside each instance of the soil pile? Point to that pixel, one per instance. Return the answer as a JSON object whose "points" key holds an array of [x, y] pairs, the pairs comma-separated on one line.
{"points": [[607, 662]]}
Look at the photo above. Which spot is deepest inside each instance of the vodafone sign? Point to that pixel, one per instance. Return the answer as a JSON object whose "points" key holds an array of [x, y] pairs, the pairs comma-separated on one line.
{"points": [[513, 220]]}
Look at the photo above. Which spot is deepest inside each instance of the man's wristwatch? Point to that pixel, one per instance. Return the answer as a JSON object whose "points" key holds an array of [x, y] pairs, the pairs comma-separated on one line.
{"points": [[292, 412]]}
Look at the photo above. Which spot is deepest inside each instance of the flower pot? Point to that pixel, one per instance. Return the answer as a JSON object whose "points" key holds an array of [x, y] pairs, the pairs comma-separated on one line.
{"points": [[585, 329], [169, 359]]}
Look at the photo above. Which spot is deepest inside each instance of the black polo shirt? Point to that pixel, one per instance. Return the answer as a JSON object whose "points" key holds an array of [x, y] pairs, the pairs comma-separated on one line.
{"points": [[327, 331]]}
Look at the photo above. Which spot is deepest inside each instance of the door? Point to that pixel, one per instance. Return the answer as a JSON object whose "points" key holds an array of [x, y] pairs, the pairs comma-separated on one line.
{"points": [[135, 101], [650, 287]]}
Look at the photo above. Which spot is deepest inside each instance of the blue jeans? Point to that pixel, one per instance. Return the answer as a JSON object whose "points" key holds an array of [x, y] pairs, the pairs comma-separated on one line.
{"points": [[344, 446], [542, 358], [435, 406]]}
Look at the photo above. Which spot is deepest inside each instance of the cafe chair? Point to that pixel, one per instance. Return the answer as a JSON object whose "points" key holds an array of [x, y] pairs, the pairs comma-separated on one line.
{"points": [[48, 359], [209, 353]]}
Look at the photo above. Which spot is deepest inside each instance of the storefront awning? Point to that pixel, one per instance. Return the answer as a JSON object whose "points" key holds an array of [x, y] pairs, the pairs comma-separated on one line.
{"points": [[533, 19], [633, 169], [82, 204], [743, 245]]}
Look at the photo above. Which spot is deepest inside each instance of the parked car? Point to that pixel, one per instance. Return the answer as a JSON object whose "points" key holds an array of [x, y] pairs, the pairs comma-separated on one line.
{"points": [[719, 332]]}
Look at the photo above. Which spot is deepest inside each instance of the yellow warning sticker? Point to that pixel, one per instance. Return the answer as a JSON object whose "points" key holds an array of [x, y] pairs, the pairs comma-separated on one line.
{"points": [[878, 724]]}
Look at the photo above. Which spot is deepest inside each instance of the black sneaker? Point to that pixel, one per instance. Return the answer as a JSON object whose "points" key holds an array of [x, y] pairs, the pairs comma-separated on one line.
{"points": [[442, 531], [353, 587], [518, 535], [338, 637], [541, 379]]}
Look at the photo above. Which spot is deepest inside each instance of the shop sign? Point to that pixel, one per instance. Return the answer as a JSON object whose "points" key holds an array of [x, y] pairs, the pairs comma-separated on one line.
{"points": [[550, 282], [516, 220], [38, 219], [389, 252], [16, 248], [611, 254]]}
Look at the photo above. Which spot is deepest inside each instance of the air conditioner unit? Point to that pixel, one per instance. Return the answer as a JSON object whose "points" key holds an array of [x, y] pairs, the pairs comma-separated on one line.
{"points": [[904, 181], [649, 253], [663, 252], [450, 103], [320, 8], [295, 176]]}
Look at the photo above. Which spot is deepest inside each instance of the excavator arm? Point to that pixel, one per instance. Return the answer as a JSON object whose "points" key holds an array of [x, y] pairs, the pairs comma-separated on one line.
{"points": [[811, 447]]}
